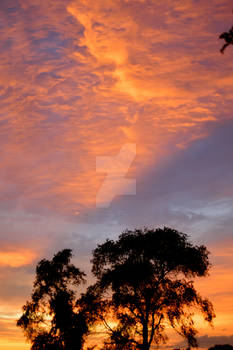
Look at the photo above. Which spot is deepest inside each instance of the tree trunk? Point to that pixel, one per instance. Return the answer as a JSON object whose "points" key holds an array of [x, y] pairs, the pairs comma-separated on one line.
{"points": [[145, 345]]}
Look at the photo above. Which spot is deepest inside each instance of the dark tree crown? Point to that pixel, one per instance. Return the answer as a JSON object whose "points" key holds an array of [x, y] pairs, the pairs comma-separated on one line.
{"points": [[148, 273]]}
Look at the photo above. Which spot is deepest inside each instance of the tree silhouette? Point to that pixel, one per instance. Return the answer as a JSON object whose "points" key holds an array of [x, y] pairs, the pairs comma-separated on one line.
{"points": [[221, 347], [228, 37], [53, 319], [148, 273]]}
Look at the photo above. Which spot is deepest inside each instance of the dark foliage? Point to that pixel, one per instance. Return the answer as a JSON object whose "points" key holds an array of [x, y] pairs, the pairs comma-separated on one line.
{"points": [[149, 276], [228, 37], [52, 319], [221, 347]]}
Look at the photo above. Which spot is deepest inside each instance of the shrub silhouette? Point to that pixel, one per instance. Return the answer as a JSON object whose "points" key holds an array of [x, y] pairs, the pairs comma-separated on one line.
{"points": [[221, 347]]}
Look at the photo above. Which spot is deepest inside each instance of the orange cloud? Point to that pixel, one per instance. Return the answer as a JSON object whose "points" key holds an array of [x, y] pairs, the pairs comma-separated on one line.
{"points": [[16, 258], [77, 87]]}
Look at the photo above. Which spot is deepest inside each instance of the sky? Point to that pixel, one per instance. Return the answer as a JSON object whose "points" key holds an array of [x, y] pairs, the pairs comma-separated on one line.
{"points": [[114, 114]]}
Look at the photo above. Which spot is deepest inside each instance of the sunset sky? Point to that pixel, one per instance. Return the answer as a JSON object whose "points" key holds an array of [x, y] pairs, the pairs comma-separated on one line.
{"points": [[95, 91]]}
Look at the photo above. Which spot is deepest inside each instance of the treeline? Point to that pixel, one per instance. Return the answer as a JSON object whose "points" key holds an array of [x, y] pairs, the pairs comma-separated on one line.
{"points": [[143, 283]]}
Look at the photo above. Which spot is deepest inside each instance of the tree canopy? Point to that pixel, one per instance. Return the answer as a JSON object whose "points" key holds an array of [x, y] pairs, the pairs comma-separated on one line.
{"points": [[149, 273], [51, 319], [144, 282]]}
